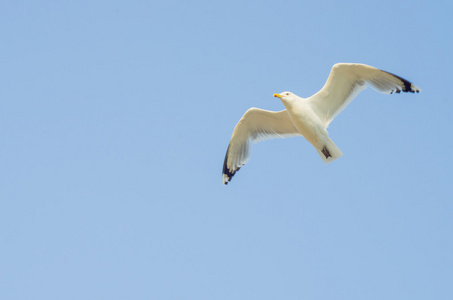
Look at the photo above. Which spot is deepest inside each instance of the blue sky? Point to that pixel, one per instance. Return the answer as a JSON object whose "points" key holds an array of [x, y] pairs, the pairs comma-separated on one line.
{"points": [[114, 121]]}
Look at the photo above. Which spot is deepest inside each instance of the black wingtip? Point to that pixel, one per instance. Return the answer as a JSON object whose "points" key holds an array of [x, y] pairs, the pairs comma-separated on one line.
{"points": [[225, 171], [408, 86]]}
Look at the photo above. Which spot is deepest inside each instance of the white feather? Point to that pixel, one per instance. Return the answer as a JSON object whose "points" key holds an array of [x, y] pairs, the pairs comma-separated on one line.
{"points": [[346, 81], [256, 125]]}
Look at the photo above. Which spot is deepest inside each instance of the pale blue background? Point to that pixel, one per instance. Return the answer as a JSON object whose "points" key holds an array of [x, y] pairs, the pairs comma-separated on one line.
{"points": [[114, 121]]}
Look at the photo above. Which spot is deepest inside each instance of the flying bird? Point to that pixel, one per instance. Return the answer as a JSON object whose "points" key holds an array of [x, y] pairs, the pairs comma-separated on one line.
{"points": [[309, 117]]}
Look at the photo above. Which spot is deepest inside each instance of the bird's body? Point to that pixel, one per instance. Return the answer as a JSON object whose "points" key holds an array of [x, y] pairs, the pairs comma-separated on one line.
{"points": [[310, 126], [306, 120], [309, 117]]}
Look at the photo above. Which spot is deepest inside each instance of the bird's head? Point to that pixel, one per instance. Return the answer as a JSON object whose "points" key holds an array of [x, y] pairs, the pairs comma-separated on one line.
{"points": [[285, 96]]}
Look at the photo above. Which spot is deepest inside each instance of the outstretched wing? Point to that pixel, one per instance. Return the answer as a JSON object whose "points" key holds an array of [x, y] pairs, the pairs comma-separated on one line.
{"points": [[346, 81], [256, 125]]}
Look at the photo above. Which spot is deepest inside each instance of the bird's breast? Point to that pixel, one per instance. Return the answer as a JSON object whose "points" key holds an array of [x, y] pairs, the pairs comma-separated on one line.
{"points": [[307, 122]]}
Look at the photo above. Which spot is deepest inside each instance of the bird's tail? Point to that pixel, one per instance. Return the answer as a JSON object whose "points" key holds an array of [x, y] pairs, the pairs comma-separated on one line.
{"points": [[329, 151]]}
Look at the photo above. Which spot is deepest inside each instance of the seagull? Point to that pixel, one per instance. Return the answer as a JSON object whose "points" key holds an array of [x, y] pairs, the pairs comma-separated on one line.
{"points": [[309, 117]]}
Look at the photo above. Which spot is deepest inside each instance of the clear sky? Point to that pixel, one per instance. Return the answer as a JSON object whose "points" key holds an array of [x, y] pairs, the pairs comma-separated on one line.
{"points": [[115, 117]]}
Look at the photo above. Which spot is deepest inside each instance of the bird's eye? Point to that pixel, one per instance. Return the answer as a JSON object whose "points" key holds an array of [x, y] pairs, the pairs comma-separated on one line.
{"points": [[287, 94]]}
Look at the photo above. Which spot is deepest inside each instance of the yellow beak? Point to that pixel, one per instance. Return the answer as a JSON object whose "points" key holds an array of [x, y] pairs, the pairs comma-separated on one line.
{"points": [[278, 95]]}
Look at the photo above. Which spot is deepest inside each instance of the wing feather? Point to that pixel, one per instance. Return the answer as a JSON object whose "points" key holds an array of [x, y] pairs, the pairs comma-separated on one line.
{"points": [[256, 125], [346, 81]]}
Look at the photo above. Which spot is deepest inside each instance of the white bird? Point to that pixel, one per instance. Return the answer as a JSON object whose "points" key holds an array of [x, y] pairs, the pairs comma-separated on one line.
{"points": [[311, 116]]}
